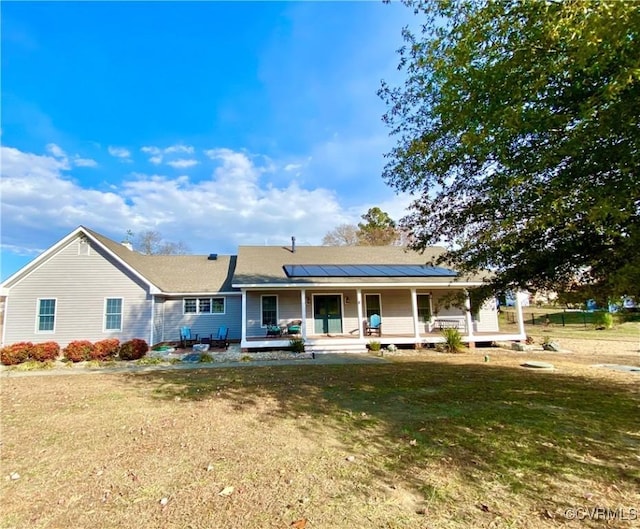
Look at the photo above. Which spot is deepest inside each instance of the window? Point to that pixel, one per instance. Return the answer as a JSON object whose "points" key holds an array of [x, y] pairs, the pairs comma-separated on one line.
{"points": [[372, 304], [204, 305], [113, 314], [217, 305], [269, 310], [46, 315], [190, 306], [424, 307]]}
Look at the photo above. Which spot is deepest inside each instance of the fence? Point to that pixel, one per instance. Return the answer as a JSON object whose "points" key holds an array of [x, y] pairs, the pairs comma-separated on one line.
{"points": [[584, 318]]}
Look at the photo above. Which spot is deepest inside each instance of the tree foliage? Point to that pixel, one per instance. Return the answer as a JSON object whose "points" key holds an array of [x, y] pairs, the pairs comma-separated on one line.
{"points": [[150, 242], [518, 132], [379, 229]]}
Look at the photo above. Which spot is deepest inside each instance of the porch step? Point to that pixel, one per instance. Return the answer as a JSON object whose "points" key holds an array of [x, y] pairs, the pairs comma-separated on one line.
{"points": [[336, 348]]}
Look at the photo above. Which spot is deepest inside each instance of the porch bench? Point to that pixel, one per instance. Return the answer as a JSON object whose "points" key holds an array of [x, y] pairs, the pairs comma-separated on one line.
{"points": [[447, 324]]}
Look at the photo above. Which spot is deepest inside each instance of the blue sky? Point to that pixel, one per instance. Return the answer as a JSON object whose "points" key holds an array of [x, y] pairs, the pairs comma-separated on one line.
{"points": [[216, 124]]}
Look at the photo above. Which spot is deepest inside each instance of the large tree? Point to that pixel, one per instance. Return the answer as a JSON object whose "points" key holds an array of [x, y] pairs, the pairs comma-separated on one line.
{"points": [[379, 229], [518, 133]]}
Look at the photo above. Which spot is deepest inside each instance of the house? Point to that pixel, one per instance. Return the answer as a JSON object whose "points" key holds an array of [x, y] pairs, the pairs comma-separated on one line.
{"points": [[87, 286]]}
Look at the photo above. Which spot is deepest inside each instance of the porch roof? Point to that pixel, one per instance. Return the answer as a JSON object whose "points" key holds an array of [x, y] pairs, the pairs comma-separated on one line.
{"points": [[265, 265]]}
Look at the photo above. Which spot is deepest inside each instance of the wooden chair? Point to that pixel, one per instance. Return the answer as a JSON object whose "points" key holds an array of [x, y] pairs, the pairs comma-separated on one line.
{"points": [[186, 338], [374, 325]]}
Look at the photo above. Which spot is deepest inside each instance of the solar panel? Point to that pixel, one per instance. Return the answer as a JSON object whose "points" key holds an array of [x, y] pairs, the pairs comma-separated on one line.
{"points": [[367, 270]]}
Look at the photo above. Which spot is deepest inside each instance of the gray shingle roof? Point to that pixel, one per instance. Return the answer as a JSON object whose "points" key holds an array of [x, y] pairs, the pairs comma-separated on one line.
{"points": [[264, 264], [177, 273]]}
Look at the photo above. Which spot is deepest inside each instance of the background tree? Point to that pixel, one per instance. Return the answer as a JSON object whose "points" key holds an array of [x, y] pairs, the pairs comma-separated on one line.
{"points": [[378, 230], [343, 235], [518, 130], [150, 242]]}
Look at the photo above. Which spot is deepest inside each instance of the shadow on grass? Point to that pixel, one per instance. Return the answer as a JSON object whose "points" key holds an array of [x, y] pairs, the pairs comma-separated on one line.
{"points": [[523, 430]]}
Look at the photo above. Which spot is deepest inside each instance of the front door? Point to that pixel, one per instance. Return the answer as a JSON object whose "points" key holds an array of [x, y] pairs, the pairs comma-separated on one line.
{"points": [[327, 313]]}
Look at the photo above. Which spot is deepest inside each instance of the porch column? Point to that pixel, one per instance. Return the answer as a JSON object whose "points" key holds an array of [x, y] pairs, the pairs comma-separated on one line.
{"points": [[359, 303], [243, 335], [303, 312], [519, 296], [414, 311], [469, 319]]}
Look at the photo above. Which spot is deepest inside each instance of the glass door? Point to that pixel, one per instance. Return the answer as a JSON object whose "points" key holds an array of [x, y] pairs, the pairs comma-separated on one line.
{"points": [[327, 314]]}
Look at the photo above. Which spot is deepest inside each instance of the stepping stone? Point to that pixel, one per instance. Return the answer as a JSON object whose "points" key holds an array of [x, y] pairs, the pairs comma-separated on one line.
{"points": [[537, 365]]}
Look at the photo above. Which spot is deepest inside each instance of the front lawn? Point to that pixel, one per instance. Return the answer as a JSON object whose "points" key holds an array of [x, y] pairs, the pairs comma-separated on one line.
{"points": [[434, 442]]}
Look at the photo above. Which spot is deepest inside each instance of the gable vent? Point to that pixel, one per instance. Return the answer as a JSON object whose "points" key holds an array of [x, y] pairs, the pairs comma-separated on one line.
{"points": [[212, 257]]}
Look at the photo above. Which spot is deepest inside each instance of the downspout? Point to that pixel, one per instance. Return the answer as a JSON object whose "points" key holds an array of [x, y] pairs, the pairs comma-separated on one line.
{"points": [[153, 320], [243, 332]]}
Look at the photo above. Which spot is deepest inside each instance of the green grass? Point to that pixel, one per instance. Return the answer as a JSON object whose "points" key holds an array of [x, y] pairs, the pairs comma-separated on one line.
{"points": [[539, 321]]}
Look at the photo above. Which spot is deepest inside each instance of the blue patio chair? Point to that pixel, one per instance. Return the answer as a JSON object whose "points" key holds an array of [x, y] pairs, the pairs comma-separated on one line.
{"points": [[220, 340], [374, 325], [186, 338]]}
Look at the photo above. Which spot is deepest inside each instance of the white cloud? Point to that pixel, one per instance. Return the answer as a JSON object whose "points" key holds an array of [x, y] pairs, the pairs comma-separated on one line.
{"points": [[182, 163], [119, 152], [158, 155], [41, 202], [292, 167], [84, 162], [56, 150], [188, 149]]}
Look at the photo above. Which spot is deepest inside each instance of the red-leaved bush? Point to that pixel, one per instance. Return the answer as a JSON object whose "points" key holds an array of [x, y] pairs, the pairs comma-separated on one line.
{"points": [[45, 351], [133, 349], [105, 349], [16, 353], [78, 350]]}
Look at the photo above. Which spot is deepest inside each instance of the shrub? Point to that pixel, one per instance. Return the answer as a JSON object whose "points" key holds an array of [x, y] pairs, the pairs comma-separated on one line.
{"points": [[603, 320], [374, 346], [297, 345], [46, 351], [78, 350], [452, 340], [16, 353], [105, 349], [133, 349]]}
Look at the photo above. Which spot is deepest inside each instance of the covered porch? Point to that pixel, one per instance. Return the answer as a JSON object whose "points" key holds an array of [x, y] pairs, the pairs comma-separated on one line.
{"points": [[338, 319]]}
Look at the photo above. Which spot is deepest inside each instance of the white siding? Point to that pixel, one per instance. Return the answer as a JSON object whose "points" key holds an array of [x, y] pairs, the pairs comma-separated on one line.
{"points": [[488, 317], [80, 284]]}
